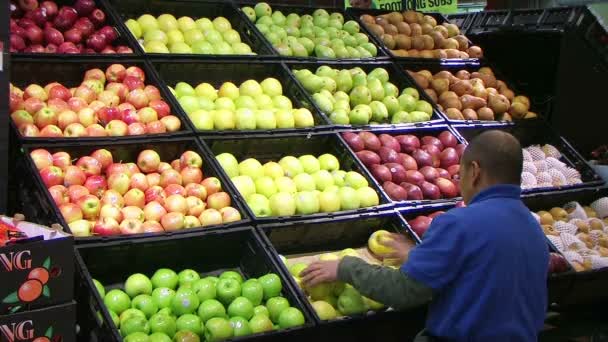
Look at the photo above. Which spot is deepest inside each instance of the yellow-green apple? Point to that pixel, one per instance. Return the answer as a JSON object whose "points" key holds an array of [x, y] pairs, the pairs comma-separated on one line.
{"points": [[147, 115], [212, 185], [375, 244], [75, 130], [51, 175], [117, 128], [170, 177], [172, 221], [131, 226], [273, 170], [307, 202], [210, 217], [109, 98], [80, 228], [176, 203], [191, 158], [29, 130], [135, 197], [77, 191], [42, 158], [229, 164], [73, 175], [51, 131], [34, 90], [132, 213], [154, 211], [251, 167], [348, 252], [103, 156], [191, 222], [282, 204], [59, 193], [291, 166], [153, 178], [119, 182], [70, 212], [148, 161], [230, 214], [152, 227], [113, 197], [90, 206], [171, 122], [218, 200], [45, 117], [66, 118], [111, 211], [155, 193], [196, 190], [191, 174], [304, 182], [195, 206], [265, 186], [105, 226]]}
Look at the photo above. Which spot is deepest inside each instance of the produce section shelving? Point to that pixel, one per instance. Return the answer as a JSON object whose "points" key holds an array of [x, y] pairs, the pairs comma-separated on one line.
{"points": [[254, 244]]}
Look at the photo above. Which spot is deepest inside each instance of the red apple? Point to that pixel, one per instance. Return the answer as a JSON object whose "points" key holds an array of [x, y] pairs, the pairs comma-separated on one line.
{"points": [[113, 197], [66, 17], [191, 158], [29, 130], [191, 174], [166, 166], [153, 178], [116, 73], [90, 206], [51, 131], [51, 175], [70, 212], [429, 173], [170, 177], [155, 193], [89, 165], [66, 118], [156, 127], [73, 175], [172, 221], [106, 226], [136, 128], [133, 213], [111, 211], [117, 168], [33, 104], [85, 93], [96, 185], [130, 116], [148, 161], [230, 214], [354, 141], [42, 158], [51, 8], [152, 227], [77, 104], [154, 211], [409, 143], [104, 157], [132, 167], [218, 200], [117, 128], [59, 92], [75, 130], [176, 165], [212, 185], [147, 115], [175, 189], [131, 226], [195, 206], [139, 181], [119, 182], [196, 190], [210, 217], [16, 103], [136, 72], [161, 107], [75, 192], [34, 34], [45, 117], [121, 91], [370, 140], [96, 130], [84, 7], [176, 203], [135, 197], [62, 160], [59, 193], [152, 92], [171, 123], [85, 26], [133, 83]]}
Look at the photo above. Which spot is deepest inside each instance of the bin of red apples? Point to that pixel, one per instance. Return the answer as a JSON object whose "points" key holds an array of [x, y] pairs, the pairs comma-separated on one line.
{"points": [[127, 189], [419, 165], [83, 27], [120, 100]]}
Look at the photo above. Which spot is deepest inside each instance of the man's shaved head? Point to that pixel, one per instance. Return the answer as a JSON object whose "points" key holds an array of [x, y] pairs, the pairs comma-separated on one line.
{"points": [[499, 156]]}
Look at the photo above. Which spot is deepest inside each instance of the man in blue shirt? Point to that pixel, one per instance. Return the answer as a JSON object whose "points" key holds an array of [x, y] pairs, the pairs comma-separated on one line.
{"points": [[483, 267]]}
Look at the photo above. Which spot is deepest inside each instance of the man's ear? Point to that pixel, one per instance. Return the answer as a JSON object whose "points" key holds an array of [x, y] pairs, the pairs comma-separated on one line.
{"points": [[475, 172]]}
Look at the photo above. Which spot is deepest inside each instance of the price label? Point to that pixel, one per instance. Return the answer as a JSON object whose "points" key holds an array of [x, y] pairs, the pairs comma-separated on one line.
{"points": [[389, 5]]}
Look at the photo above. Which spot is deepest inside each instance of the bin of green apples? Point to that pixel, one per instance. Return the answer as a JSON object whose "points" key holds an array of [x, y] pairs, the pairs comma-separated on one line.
{"points": [[358, 94], [309, 32]]}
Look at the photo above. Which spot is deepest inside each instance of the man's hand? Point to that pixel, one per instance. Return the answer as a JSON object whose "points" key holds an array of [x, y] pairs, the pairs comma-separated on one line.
{"points": [[400, 245], [320, 272]]}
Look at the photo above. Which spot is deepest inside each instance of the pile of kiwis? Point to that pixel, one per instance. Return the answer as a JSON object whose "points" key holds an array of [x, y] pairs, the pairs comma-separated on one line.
{"points": [[475, 95], [413, 34]]}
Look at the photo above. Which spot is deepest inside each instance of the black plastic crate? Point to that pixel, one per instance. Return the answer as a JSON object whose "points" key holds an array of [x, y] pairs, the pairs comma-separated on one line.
{"points": [[540, 133], [133, 9], [462, 20], [559, 18], [319, 236], [302, 10], [216, 73], [440, 18], [38, 70], [46, 212], [396, 76], [573, 288], [111, 19], [419, 132], [489, 21], [264, 149], [541, 108], [209, 253]]}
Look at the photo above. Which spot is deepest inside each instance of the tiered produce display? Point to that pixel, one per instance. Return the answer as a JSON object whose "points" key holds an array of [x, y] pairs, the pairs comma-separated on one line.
{"points": [[198, 188]]}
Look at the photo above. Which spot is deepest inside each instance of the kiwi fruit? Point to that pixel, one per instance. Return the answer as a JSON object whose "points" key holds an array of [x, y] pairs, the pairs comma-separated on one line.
{"points": [[389, 41], [416, 29], [376, 29], [418, 43], [404, 28], [429, 43], [485, 113], [410, 17], [403, 42]]}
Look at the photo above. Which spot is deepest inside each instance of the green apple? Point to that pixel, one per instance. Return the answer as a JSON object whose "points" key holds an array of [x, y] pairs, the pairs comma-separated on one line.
{"points": [[285, 118], [229, 163], [228, 290], [186, 336], [291, 165], [193, 35], [307, 203], [286, 184], [204, 289], [138, 284], [401, 117], [137, 336], [310, 164], [367, 197], [218, 329], [251, 167], [240, 326], [271, 87], [265, 186], [156, 35], [244, 101], [291, 317], [348, 198], [260, 323], [241, 307], [329, 201], [187, 277], [261, 310], [250, 88], [133, 325], [273, 170], [164, 277], [324, 310], [407, 102], [134, 28], [259, 205], [211, 308], [213, 279], [130, 313], [100, 289], [244, 185], [339, 117], [185, 301], [155, 337], [223, 119], [271, 283], [338, 177], [355, 180], [245, 119], [206, 90], [206, 104], [249, 12], [190, 322], [231, 37], [189, 103], [204, 24], [323, 179], [264, 101], [146, 304], [227, 89], [253, 290], [320, 291], [202, 47], [201, 119], [329, 162], [214, 37], [162, 297], [282, 204], [185, 23], [221, 24], [147, 22], [163, 324], [275, 306], [304, 182], [175, 36], [115, 318], [296, 268], [282, 102], [232, 275], [351, 302], [265, 119]]}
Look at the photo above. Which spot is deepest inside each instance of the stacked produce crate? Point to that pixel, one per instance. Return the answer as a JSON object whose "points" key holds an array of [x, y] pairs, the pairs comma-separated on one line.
{"points": [[192, 147]]}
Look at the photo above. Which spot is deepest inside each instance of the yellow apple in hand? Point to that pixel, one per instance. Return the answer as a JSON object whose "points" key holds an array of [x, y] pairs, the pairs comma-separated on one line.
{"points": [[324, 310], [349, 252], [328, 257], [375, 245]]}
